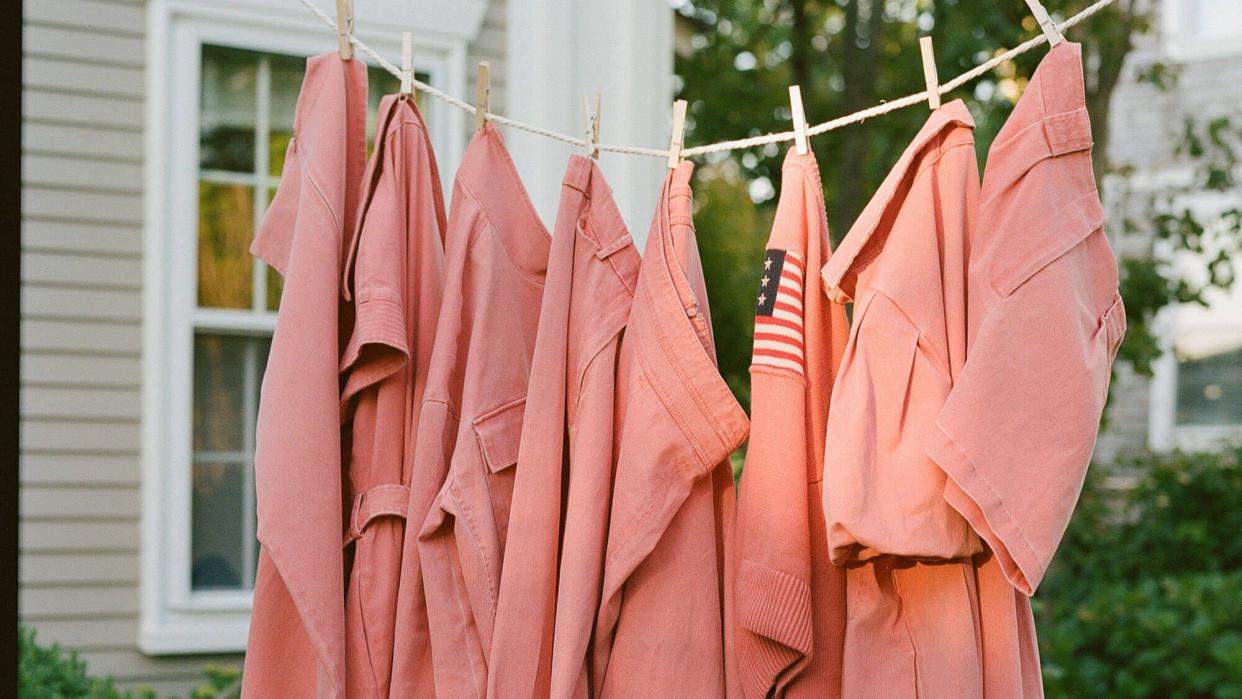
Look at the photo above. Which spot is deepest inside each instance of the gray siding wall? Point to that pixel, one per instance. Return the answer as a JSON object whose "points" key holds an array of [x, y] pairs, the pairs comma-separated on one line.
{"points": [[83, 97]]}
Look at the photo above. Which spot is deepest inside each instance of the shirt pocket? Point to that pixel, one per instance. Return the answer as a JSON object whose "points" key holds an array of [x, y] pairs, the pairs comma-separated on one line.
{"points": [[499, 433], [885, 496], [1043, 238]]}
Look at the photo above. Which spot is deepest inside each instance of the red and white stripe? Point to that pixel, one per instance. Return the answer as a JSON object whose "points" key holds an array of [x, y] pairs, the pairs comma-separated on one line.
{"points": [[779, 336]]}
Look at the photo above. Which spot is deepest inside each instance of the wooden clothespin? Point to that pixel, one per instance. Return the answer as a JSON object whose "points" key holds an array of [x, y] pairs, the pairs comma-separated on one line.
{"points": [[407, 64], [482, 95], [1045, 22], [345, 28], [929, 72], [592, 131], [679, 133], [801, 141]]}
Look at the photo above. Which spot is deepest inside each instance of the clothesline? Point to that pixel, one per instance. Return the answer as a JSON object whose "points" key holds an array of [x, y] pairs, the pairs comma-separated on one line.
{"points": [[882, 108]]}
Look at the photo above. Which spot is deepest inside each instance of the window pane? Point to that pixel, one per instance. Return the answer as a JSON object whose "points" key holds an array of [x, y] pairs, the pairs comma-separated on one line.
{"points": [[1209, 389], [225, 227], [227, 111], [218, 529], [219, 393], [287, 74]]}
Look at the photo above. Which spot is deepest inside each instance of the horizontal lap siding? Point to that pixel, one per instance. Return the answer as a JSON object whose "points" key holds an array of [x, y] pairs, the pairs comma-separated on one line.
{"points": [[81, 338], [83, 93]]}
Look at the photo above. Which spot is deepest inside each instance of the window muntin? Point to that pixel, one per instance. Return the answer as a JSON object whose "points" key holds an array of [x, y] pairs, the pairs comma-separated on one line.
{"points": [[246, 107]]}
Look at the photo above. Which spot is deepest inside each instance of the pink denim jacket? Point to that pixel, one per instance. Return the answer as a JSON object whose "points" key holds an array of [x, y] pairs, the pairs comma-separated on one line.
{"points": [[665, 623], [470, 426], [563, 483], [297, 629], [393, 275]]}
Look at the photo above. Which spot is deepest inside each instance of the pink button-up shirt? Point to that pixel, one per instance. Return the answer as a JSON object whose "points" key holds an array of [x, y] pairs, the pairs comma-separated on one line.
{"points": [[563, 482], [297, 629], [664, 623], [790, 598], [495, 262], [393, 275], [969, 397], [1046, 318]]}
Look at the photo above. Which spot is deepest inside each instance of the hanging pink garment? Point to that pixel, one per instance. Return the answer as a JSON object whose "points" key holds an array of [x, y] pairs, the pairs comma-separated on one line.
{"points": [[496, 253], [972, 385], [297, 629], [1046, 319], [912, 607], [539, 647], [394, 277], [663, 628], [790, 598]]}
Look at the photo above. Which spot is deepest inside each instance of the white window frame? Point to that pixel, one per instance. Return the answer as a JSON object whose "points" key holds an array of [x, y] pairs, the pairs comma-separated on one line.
{"points": [[174, 619], [1163, 432], [1178, 19]]}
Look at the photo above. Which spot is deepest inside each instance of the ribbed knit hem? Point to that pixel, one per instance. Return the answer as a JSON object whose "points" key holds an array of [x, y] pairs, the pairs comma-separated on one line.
{"points": [[775, 608]]}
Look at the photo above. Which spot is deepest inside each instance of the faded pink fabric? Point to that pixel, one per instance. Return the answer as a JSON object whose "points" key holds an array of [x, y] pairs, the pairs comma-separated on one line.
{"points": [[664, 625], [1046, 319], [912, 607], [543, 630], [496, 254], [394, 277], [968, 401], [297, 629], [790, 598]]}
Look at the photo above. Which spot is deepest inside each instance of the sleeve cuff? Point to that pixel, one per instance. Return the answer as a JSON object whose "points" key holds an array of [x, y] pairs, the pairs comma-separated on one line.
{"points": [[775, 607], [380, 325], [968, 492]]}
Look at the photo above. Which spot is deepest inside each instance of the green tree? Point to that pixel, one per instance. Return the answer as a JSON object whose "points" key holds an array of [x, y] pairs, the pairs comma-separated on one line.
{"points": [[852, 54]]}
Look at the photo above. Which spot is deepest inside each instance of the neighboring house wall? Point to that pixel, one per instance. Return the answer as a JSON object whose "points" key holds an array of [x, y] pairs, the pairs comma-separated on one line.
{"points": [[1145, 124], [81, 333], [84, 151]]}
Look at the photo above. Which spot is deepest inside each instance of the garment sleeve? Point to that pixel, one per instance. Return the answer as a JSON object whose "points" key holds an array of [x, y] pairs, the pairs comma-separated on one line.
{"points": [[774, 566], [1019, 427]]}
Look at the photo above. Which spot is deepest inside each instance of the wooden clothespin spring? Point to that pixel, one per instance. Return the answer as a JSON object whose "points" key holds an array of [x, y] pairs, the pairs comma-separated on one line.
{"points": [[1045, 22], [801, 140], [592, 131], [929, 72], [679, 133], [345, 28], [482, 95], [407, 64]]}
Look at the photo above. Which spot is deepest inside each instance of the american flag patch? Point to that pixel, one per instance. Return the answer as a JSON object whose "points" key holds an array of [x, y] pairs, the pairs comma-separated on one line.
{"points": [[778, 312]]}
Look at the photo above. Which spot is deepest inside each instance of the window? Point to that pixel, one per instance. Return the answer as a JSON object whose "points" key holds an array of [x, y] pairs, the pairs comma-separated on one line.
{"points": [[1197, 387], [223, 84], [246, 105]]}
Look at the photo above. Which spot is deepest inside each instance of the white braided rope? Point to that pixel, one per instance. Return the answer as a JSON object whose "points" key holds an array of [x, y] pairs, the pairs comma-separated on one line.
{"points": [[883, 108]]}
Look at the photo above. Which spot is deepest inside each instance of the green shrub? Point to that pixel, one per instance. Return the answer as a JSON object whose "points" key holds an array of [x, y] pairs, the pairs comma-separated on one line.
{"points": [[48, 672], [1145, 596]]}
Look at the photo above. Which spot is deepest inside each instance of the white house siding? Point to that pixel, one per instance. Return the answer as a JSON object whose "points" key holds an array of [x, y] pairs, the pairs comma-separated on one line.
{"points": [[83, 98], [1144, 123]]}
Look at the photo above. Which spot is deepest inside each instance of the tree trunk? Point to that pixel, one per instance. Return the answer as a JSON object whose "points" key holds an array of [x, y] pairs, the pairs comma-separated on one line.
{"points": [[863, 35]]}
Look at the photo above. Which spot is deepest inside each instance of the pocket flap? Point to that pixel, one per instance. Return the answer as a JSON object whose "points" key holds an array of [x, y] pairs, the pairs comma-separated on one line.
{"points": [[499, 432], [1050, 233]]}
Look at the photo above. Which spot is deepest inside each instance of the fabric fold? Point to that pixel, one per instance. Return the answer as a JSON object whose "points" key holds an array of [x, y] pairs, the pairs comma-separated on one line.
{"points": [[297, 628]]}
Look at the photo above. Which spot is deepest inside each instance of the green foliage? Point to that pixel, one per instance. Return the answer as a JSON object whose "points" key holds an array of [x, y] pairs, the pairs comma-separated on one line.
{"points": [[48, 672], [1145, 596], [851, 54]]}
